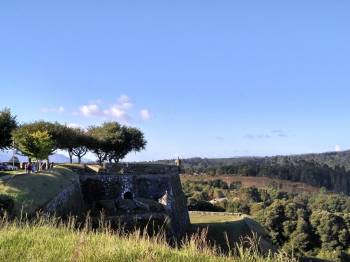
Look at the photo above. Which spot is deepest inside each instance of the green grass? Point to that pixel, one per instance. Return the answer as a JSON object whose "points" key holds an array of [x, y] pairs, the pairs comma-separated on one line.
{"points": [[32, 191], [14, 172], [226, 231], [47, 240], [204, 218]]}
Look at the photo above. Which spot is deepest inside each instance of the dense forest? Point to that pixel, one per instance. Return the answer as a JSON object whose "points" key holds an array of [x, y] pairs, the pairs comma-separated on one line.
{"points": [[329, 170], [311, 225]]}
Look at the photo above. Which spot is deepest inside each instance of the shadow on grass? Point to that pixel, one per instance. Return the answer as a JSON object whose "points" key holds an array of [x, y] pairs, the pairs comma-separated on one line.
{"points": [[32, 191], [224, 235]]}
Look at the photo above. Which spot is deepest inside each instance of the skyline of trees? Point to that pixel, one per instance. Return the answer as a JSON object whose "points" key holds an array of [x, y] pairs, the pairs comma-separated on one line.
{"points": [[38, 140]]}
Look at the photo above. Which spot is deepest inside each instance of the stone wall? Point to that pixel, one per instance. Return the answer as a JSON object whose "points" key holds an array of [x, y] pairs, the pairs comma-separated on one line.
{"points": [[68, 202], [159, 183]]}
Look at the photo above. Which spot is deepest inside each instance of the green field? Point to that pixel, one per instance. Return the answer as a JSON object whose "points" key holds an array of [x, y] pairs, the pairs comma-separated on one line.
{"points": [[227, 231]]}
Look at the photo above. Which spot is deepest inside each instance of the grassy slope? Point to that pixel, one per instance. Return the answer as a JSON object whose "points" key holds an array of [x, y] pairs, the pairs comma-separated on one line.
{"points": [[32, 191], [43, 241], [15, 172], [229, 228]]}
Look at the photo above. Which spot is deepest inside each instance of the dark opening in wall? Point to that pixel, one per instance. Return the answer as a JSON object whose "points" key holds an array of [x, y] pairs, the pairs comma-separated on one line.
{"points": [[128, 195]]}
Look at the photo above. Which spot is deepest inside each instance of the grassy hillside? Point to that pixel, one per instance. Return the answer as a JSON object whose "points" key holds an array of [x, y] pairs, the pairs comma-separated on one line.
{"points": [[32, 191], [43, 241], [227, 230]]}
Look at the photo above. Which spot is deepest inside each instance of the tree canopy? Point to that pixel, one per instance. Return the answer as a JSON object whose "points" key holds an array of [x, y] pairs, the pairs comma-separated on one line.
{"points": [[37, 144], [8, 123], [113, 142], [109, 142]]}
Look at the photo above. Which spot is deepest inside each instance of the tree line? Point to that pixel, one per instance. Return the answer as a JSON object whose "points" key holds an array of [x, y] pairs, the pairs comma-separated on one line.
{"points": [[329, 170], [38, 140], [308, 224]]}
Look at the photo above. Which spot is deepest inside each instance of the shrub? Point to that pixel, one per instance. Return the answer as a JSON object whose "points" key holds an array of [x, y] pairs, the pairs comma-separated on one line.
{"points": [[6, 204], [204, 206]]}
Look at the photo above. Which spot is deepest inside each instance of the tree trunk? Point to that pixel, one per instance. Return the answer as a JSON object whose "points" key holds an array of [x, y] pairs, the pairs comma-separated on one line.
{"points": [[70, 152], [79, 159]]}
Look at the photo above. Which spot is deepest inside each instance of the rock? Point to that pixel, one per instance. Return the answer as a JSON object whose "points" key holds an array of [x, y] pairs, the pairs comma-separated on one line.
{"points": [[126, 205]]}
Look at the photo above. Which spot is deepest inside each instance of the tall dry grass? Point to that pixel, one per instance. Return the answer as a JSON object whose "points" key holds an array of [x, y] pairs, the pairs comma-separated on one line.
{"points": [[50, 239]]}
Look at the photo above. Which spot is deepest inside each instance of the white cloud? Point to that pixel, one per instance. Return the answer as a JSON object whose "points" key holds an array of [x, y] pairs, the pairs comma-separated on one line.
{"points": [[90, 110], [121, 110], [59, 109], [337, 148], [115, 111], [124, 102], [145, 114]]}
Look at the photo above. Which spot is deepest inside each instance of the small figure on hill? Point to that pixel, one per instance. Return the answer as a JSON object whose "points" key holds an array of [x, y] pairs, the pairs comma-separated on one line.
{"points": [[29, 167], [178, 163]]}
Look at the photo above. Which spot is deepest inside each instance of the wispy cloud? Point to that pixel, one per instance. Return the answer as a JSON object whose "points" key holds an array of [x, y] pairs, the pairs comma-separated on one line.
{"points": [[59, 109], [145, 114], [279, 132], [257, 136], [273, 133], [337, 148]]}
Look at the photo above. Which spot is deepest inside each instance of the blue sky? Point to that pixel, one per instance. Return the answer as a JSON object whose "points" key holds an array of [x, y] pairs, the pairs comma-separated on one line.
{"points": [[200, 78]]}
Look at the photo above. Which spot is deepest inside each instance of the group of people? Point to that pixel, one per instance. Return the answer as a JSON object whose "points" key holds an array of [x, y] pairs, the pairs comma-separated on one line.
{"points": [[32, 167]]}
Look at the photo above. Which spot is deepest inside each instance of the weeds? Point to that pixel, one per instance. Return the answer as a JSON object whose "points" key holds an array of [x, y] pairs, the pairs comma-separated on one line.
{"points": [[51, 239]]}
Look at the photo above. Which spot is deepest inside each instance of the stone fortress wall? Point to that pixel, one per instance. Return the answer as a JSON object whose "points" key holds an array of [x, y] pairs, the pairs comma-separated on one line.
{"points": [[131, 192]]}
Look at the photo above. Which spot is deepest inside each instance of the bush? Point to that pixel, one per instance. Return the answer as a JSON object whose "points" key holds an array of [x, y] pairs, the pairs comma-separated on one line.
{"points": [[6, 204], [205, 207]]}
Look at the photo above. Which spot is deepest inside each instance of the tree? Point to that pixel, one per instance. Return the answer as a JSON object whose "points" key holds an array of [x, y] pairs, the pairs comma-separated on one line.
{"points": [[273, 220], [8, 123], [128, 139], [37, 145], [301, 238], [82, 144], [331, 229], [65, 138], [98, 142], [113, 142]]}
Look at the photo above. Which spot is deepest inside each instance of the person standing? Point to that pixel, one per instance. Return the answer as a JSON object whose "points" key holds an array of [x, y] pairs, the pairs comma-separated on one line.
{"points": [[29, 167]]}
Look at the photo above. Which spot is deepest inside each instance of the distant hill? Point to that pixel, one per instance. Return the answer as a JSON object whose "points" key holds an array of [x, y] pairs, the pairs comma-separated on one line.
{"points": [[56, 158], [330, 170]]}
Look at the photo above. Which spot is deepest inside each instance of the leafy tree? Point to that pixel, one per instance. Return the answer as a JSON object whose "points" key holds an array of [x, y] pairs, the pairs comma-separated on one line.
{"points": [[8, 123], [301, 239], [82, 144], [274, 217], [99, 142], [113, 142], [124, 141], [331, 230], [37, 145]]}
